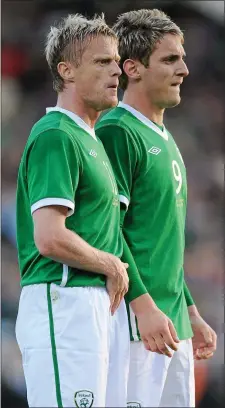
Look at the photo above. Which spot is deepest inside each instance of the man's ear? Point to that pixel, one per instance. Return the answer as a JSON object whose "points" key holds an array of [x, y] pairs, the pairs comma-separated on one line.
{"points": [[66, 71], [132, 69]]}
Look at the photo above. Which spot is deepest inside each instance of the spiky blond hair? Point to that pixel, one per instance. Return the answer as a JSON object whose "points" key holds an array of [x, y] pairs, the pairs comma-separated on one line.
{"points": [[67, 42]]}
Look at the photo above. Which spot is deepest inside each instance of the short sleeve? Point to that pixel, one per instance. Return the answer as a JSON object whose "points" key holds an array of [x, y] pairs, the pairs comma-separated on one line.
{"points": [[53, 170], [122, 153]]}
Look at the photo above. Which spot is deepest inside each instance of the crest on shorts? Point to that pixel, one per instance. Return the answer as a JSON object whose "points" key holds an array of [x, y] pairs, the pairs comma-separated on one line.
{"points": [[83, 399], [133, 405]]}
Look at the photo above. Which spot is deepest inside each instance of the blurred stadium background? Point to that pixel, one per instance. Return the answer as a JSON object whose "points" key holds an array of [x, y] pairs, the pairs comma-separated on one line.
{"points": [[197, 124]]}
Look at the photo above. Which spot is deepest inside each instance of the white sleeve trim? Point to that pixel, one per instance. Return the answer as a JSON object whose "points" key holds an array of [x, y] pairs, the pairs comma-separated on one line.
{"points": [[54, 201], [124, 200]]}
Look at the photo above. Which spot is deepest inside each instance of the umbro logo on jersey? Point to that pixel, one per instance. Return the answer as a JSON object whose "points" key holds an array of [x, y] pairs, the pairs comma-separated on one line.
{"points": [[93, 153], [154, 150]]}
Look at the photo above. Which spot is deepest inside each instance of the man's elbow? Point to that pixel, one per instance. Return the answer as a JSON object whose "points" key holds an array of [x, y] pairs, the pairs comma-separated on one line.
{"points": [[46, 245]]}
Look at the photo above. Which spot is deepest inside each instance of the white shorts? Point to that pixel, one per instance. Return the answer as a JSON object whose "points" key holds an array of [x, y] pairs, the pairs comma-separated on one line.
{"points": [[159, 381], [74, 353]]}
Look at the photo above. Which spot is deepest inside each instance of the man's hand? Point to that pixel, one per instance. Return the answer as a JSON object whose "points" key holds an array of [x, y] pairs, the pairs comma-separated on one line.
{"points": [[117, 280], [156, 329], [205, 339]]}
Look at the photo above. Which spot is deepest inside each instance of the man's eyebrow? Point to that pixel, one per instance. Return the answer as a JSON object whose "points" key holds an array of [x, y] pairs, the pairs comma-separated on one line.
{"points": [[107, 57], [173, 55]]}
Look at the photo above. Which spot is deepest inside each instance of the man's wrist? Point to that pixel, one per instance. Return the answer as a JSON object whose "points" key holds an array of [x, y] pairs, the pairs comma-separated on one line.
{"points": [[103, 263], [193, 311], [143, 303]]}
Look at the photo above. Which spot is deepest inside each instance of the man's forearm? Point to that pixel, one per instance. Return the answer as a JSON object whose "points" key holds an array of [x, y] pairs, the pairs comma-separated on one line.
{"points": [[137, 295], [192, 309], [69, 248], [136, 286]]}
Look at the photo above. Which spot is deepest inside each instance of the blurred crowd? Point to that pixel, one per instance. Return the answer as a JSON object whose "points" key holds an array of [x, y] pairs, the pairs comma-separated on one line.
{"points": [[197, 125]]}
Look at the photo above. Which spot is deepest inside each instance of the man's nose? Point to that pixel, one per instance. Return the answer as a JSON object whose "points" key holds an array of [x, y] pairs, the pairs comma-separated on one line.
{"points": [[117, 70]]}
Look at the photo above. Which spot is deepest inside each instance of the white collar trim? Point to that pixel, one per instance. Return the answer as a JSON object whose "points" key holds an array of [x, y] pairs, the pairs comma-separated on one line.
{"points": [[75, 118], [144, 120]]}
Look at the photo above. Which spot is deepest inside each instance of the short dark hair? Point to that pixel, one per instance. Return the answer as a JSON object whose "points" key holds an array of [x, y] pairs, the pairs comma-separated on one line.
{"points": [[138, 32]]}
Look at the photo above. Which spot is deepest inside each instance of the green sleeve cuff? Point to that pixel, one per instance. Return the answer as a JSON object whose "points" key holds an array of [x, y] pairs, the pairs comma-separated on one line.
{"points": [[136, 286], [188, 297]]}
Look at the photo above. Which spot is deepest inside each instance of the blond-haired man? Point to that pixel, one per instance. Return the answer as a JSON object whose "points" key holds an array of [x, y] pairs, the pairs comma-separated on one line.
{"points": [[75, 353]]}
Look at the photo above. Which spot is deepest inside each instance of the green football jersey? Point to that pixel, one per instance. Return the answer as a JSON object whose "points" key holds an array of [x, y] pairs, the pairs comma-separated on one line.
{"points": [[151, 179], [64, 163]]}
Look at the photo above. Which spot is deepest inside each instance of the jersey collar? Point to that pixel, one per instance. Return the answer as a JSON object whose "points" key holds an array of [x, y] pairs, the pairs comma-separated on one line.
{"points": [[144, 120], [75, 118]]}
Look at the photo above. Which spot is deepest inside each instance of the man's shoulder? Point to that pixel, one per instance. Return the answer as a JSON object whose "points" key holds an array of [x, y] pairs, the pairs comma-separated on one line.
{"points": [[53, 126], [119, 128], [115, 117], [53, 121]]}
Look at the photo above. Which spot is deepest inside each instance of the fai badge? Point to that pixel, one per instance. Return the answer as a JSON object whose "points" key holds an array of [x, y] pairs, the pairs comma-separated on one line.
{"points": [[83, 399]]}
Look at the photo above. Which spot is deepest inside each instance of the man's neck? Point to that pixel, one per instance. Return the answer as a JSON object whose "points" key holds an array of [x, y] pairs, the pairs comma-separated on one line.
{"points": [[140, 102], [74, 103]]}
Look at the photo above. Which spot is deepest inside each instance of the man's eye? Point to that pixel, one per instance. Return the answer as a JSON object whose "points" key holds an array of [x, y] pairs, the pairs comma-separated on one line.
{"points": [[172, 59], [104, 62]]}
